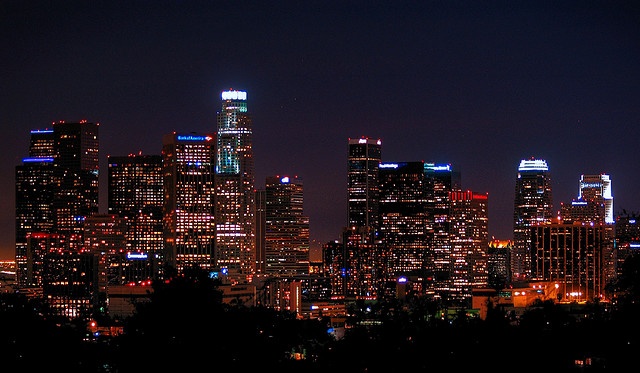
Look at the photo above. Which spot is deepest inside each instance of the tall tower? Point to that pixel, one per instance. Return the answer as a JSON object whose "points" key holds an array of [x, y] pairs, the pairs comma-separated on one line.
{"points": [[188, 223], [56, 187], [287, 228], [469, 240], [76, 159], [532, 206], [361, 275], [597, 189], [403, 221], [440, 181], [235, 241], [136, 195], [365, 154]]}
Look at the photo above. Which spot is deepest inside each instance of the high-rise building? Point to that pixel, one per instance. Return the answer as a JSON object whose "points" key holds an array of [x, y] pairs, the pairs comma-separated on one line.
{"points": [[76, 158], [469, 239], [499, 263], [188, 184], [594, 205], [361, 273], [627, 238], [365, 154], [533, 205], [286, 227], [36, 185], [403, 222], [440, 181], [136, 195], [235, 240], [572, 256], [56, 187]]}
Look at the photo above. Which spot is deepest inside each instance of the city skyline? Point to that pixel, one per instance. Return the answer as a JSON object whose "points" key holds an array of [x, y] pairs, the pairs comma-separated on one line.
{"points": [[480, 86]]}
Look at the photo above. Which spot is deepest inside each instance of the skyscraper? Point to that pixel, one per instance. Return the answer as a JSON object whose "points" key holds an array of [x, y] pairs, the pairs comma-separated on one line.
{"points": [[76, 159], [56, 187], [286, 227], [235, 243], [361, 274], [532, 206], [469, 240], [403, 221], [365, 154], [440, 181], [189, 227], [136, 195]]}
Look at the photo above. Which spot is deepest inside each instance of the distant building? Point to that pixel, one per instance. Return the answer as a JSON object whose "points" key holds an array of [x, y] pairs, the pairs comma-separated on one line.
{"points": [[499, 263], [440, 181], [135, 193], [403, 222], [56, 187], [533, 205], [362, 274], [189, 227], [573, 256], [235, 239], [469, 239], [286, 227]]}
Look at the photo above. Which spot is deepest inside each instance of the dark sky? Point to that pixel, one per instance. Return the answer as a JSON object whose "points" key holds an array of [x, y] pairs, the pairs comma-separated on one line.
{"points": [[480, 85]]}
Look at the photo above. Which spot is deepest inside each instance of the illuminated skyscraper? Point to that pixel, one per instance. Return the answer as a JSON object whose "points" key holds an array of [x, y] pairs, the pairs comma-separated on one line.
{"points": [[235, 242], [403, 221], [287, 228], [440, 181], [189, 227], [594, 206], [365, 155], [469, 240], [56, 187], [136, 195], [532, 206], [76, 158], [361, 274]]}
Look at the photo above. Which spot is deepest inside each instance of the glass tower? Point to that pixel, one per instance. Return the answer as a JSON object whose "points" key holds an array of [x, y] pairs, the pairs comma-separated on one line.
{"points": [[136, 195], [287, 228], [235, 239], [532, 206], [189, 230]]}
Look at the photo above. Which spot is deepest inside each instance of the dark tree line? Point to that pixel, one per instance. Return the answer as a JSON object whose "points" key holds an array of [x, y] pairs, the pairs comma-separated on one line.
{"points": [[185, 326]]}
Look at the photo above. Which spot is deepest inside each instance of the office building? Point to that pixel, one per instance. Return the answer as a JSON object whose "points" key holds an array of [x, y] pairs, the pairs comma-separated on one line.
{"points": [[468, 239], [188, 184], [56, 187], [403, 223], [359, 237], [533, 205], [573, 257], [440, 181], [235, 239], [76, 159], [286, 227], [136, 195]]}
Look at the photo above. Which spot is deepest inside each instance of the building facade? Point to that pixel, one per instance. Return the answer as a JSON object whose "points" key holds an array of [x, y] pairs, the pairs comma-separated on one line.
{"points": [[533, 205], [235, 239], [286, 227], [136, 194], [188, 185]]}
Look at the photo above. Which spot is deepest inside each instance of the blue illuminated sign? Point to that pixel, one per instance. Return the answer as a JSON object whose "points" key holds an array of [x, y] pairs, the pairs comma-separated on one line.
{"points": [[388, 165], [285, 180], [41, 131], [37, 160], [193, 138], [136, 256]]}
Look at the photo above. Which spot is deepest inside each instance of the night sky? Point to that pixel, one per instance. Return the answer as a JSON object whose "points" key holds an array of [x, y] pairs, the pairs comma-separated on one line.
{"points": [[480, 85]]}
